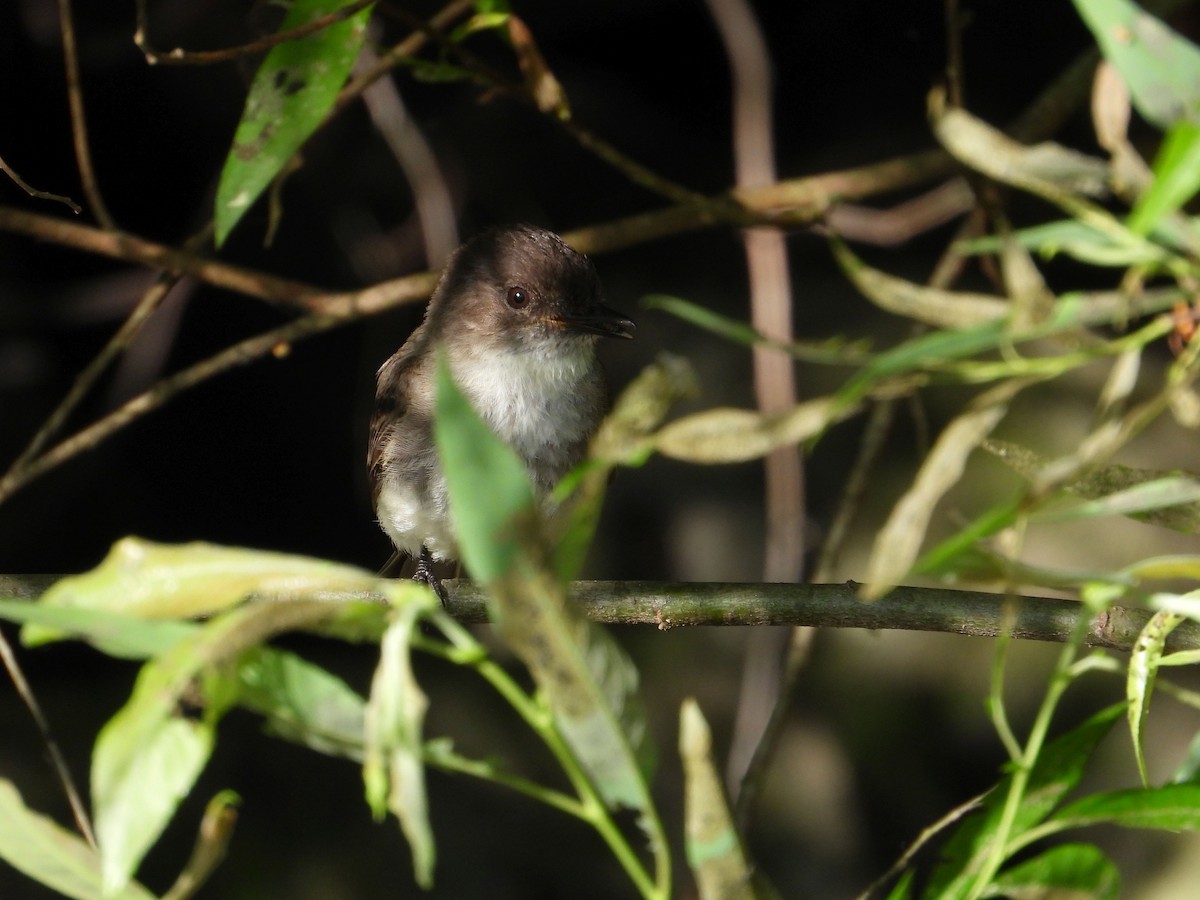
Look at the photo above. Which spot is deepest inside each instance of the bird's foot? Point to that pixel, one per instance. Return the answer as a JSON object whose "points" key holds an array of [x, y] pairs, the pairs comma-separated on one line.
{"points": [[424, 574]]}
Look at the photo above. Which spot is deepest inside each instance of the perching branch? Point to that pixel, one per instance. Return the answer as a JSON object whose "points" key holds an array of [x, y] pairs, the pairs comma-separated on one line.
{"points": [[667, 605]]}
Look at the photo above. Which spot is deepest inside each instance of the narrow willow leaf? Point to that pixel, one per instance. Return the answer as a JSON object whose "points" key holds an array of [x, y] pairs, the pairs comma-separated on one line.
{"points": [[1150, 496], [1162, 567], [835, 351], [393, 767], [159, 581], [1063, 872], [1031, 299], [1074, 238], [1156, 496], [714, 849], [1046, 169], [588, 680], [933, 306], [39, 847], [489, 487], [589, 683], [1176, 177], [1161, 67], [116, 634], [1139, 682], [292, 92], [737, 435], [1173, 807], [1055, 773], [899, 541]]}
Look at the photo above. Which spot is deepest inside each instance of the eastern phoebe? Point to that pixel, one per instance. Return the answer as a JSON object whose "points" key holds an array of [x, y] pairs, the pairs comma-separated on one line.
{"points": [[517, 314]]}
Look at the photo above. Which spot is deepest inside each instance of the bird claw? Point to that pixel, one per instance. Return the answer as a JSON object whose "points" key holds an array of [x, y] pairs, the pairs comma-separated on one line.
{"points": [[424, 574]]}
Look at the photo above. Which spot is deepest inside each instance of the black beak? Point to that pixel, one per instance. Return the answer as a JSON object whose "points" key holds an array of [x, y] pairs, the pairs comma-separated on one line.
{"points": [[602, 321]]}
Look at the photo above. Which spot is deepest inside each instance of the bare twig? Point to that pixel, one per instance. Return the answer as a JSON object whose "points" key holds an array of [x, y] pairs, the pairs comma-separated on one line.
{"points": [[34, 192], [83, 154], [431, 195], [78, 810], [180, 57]]}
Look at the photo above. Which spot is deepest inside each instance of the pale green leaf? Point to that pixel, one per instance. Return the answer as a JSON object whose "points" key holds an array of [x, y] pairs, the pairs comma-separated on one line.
{"points": [[714, 849], [737, 435], [933, 306], [898, 542], [393, 767], [160, 581], [51, 855], [293, 91], [1139, 682]]}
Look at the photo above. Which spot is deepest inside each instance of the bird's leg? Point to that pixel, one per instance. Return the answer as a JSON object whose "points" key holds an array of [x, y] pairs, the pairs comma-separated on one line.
{"points": [[425, 575]]}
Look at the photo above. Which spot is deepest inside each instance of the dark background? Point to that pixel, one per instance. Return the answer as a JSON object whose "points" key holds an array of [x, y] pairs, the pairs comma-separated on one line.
{"points": [[888, 732]]}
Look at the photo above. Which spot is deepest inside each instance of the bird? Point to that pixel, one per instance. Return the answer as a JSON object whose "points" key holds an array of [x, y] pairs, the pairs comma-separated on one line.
{"points": [[517, 314]]}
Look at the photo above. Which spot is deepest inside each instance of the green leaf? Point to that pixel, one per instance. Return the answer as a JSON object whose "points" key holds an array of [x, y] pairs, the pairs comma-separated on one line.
{"points": [[1068, 871], [488, 485], [393, 766], [160, 581], [1070, 236], [1170, 499], [116, 634], [1161, 67], [1173, 807], [714, 849], [301, 702], [50, 854], [1176, 178], [1139, 683], [149, 754], [898, 542], [292, 93], [1056, 772]]}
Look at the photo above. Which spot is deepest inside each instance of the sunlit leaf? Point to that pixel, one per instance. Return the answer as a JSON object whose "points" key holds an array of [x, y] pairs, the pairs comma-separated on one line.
{"points": [[153, 581], [1076, 239], [292, 93], [898, 542], [1161, 67], [50, 854], [1063, 872], [393, 767], [714, 848], [1150, 496]]}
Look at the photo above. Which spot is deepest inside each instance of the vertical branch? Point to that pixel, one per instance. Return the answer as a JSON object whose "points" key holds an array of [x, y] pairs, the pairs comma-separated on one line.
{"points": [[431, 195], [774, 386], [83, 155]]}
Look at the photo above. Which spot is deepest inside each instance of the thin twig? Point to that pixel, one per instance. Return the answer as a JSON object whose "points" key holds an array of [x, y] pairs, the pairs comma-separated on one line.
{"points": [[79, 135], [34, 192], [923, 838], [180, 57], [78, 810]]}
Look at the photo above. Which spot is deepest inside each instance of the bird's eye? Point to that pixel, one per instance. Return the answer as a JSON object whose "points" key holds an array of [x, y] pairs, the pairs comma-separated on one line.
{"points": [[518, 297]]}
